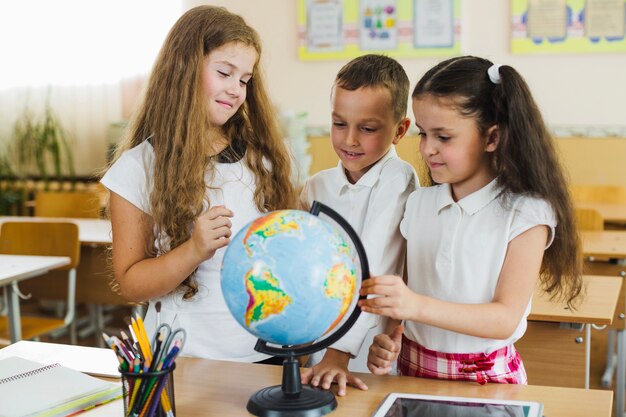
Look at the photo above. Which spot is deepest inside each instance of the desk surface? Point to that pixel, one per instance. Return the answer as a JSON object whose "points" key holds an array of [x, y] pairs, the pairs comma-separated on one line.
{"points": [[18, 267], [598, 306], [90, 231], [605, 243], [215, 388], [612, 213]]}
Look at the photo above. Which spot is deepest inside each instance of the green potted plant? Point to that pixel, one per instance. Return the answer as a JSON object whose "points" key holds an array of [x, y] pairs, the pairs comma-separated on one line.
{"points": [[11, 189], [41, 147]]}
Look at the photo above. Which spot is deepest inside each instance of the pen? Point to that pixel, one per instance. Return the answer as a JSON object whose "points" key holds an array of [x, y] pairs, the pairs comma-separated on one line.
{"points": [[169, 359], [157, 352]]}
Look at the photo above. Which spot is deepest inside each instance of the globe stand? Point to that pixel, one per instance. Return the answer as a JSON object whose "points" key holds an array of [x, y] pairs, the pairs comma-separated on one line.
{"points": [[291, 398]]}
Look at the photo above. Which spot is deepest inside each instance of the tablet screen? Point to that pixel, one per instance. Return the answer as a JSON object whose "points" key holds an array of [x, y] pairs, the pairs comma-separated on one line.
{"points": [[412, 405]]}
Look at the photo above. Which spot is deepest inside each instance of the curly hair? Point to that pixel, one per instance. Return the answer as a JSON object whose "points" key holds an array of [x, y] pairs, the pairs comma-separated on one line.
{"points": [[526, 160], [174, 115]]}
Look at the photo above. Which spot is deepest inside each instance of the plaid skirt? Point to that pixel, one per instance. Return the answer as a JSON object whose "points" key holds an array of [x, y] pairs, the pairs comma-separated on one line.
{"points": [[502, 366]]}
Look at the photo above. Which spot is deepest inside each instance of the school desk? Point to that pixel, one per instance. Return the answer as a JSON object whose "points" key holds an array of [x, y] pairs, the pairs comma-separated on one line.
{"points": [[602, 246], [554, 348], [93, 273], [91, 232], [16, 268], [604, 243], [210, 388], [613, 214]]}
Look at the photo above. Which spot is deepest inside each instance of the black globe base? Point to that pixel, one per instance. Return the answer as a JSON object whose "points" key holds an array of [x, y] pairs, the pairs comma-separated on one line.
{"points": [[273, 402]]}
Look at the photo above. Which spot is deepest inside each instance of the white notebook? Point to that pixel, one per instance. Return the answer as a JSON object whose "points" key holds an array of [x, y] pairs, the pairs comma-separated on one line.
{"points": [[90, 360], [30, 388]]}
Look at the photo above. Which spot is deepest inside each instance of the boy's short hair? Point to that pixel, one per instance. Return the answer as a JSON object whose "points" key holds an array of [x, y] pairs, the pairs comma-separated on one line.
{"points": [[373, 70]]}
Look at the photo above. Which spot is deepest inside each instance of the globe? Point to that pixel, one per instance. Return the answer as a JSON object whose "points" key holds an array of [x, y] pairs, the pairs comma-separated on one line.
{"points": [[289, 277]]}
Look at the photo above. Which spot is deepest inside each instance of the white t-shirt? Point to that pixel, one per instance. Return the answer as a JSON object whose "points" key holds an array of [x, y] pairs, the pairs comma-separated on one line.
{"points": [[455, 252], [212, 332], [374, 207]]}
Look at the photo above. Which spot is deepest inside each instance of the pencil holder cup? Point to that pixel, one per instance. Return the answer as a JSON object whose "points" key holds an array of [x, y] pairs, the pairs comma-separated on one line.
{"points": [[149, 394]]}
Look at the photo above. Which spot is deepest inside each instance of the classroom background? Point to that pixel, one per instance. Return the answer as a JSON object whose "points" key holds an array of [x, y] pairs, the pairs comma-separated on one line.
{"points": [[91, 66], [87, 61]]}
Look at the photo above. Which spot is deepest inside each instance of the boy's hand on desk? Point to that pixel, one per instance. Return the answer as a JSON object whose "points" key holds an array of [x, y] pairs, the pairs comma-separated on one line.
{"points": [[333, 368], [384, 351]]}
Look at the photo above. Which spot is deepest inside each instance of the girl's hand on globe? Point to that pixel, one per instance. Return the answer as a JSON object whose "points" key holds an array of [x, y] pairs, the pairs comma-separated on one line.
{"points": [[384, 351], [394, 299], [211, 232], [333, 368]]}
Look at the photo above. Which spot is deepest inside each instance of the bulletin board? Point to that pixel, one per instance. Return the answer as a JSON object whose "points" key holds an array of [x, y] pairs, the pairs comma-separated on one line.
{"points": [[341, 29], [568, 26]]}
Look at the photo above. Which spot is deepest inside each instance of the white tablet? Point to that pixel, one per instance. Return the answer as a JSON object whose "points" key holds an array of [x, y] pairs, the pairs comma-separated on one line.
{"points": [[399, 404]]}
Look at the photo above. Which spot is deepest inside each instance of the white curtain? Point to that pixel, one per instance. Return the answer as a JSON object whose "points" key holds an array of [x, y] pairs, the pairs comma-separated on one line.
{"points": [[76, 55]]}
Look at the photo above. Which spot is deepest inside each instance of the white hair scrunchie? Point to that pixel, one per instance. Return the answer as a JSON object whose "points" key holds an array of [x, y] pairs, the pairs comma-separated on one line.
{"points": [[494, 73]]}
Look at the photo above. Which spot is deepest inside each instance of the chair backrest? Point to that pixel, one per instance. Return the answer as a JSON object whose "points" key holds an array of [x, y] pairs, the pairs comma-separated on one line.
{"points": [[41, 239], [591, 193], [77, 204], [589, 219]]}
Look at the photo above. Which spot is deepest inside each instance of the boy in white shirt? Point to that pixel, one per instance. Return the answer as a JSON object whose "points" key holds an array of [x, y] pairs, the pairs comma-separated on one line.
{"points": [[369, 188]]}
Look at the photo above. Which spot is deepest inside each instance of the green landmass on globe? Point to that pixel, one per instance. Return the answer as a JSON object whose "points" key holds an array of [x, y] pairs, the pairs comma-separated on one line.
{"points": [[266, 296]]}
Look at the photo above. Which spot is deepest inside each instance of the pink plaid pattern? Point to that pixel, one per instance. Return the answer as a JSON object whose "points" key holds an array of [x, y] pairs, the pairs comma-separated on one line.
{"points": [[502, 366]]}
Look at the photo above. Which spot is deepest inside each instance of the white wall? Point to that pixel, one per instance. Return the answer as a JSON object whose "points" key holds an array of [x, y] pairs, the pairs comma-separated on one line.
{"points": [[572, 90]]}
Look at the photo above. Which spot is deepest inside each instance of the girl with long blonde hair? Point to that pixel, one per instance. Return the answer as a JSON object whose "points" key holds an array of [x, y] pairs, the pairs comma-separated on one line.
{"points": [[203, 157]]}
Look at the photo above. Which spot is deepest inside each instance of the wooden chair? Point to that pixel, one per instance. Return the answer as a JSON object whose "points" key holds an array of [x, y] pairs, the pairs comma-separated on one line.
{"points": [[43, 239], [589, 219], [592, 193], [86, 203], [77, 204]]}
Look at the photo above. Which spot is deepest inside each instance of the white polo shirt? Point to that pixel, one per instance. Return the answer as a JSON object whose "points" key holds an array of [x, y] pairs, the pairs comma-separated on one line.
{"points": [[212, 332], [455, 252], [374, 207]]}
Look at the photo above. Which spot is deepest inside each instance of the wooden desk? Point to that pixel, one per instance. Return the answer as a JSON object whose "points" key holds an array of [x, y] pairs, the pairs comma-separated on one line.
{"points": [[553, 349], [215, 388], [93, 275], [611, 244], [91, 232], [612, 213], [598, 306], [604, 243], [16, 268]]}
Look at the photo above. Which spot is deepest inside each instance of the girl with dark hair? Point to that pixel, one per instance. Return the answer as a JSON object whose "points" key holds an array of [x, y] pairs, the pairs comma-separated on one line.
{"points": [[498, 220]]}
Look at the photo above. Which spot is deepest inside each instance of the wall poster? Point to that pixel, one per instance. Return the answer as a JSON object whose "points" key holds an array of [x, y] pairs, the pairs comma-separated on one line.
{"points": [[568, 26], [340, 29]]}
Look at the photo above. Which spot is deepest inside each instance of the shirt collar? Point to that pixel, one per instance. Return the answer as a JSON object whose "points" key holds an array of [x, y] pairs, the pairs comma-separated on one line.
{"points": [[472, 203], [370, 178]]}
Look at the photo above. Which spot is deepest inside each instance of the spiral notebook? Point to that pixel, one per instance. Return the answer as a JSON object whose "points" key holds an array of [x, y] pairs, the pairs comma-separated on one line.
{"points": [[29, 388]]}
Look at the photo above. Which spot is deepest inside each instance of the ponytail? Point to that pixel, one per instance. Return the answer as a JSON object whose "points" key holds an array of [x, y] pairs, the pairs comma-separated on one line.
{"points": [[526, 160]]}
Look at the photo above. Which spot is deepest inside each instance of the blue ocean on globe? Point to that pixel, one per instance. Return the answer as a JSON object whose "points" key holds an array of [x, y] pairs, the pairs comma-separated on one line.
{"points": [[289, 277]]}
